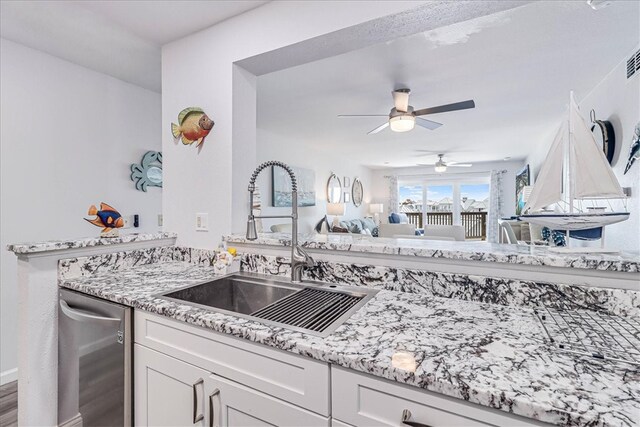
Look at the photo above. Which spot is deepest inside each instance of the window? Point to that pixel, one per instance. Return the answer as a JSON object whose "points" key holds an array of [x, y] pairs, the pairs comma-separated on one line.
{"points": [[434, 202]]}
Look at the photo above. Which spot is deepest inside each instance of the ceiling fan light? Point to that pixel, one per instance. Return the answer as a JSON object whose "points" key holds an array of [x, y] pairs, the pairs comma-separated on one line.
{"points": [[440, 168], [402, 123]]}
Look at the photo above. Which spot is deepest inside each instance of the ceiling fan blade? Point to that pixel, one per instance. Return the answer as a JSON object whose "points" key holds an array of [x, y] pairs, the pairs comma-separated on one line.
{"points": [[463, 105], [378, 129], [401, 99], [346, 116], [428, 124], [459, 165], [425, 164]]}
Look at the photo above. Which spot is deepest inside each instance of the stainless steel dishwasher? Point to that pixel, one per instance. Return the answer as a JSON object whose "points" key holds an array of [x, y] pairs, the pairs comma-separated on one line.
{"points": [[94, 361]]}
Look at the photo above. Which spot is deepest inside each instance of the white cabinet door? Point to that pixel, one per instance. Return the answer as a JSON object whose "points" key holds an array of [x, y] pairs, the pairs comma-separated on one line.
{"points": [[234, 405], [168, 392]]}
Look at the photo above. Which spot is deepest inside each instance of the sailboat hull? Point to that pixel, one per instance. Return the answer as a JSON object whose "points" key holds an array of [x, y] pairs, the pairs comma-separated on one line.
{"points": [[575, 221]]}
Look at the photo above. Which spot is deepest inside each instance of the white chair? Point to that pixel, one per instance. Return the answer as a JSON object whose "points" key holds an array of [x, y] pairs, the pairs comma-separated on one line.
{"points": [[444, 232], [506, 233]]}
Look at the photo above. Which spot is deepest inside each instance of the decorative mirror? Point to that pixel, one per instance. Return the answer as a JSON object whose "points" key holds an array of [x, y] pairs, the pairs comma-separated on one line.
{"points": [[149, 172], [357, 192], [604, 135], [334, 189]]}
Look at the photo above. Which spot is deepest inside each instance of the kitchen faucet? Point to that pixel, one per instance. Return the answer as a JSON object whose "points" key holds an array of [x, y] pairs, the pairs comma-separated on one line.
{"points": [[299, 257]]}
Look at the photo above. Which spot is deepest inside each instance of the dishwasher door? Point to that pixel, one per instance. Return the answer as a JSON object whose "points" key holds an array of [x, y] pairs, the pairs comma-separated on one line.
{"points": [[94, 361]]}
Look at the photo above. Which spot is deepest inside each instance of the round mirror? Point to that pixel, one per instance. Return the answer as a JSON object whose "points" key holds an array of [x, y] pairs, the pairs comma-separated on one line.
{"points": [[334, 189], [357, 192]]}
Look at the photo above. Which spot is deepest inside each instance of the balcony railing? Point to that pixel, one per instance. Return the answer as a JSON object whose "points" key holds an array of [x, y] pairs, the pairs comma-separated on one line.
{"points": [[475, 223]]}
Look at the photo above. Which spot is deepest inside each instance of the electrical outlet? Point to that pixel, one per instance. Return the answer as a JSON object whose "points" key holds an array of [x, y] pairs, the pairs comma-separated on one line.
{"points": [[128, 221], [202, 222]]}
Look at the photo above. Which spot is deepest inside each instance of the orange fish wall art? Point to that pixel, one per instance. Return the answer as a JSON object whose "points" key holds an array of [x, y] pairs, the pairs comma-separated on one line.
{"points": [[107, 218], [193, 127]]}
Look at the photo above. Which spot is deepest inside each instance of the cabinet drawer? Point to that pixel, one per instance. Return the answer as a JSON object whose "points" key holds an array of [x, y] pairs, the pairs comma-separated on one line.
{"points": [[296, 379], [234, 405], [364, 400]]}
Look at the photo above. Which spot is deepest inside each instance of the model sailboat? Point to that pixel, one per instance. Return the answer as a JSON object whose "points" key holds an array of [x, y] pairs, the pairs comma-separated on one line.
{"points": [[575, 170]]}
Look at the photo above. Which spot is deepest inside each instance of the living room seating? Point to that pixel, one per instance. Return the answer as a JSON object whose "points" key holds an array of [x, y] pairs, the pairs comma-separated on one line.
{"points": [[444, 232], [396, 230]]}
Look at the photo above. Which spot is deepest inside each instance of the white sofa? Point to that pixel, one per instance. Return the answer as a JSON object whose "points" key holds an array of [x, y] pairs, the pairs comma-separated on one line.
{"points": [[444, 232], [396, 230]]}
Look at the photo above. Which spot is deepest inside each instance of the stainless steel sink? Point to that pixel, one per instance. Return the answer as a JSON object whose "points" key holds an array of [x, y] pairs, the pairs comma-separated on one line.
{"points": [[314, 308]]}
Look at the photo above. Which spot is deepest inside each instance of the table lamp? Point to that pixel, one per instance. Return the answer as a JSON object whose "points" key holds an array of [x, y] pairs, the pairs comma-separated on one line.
{"points": [[337, 210]]}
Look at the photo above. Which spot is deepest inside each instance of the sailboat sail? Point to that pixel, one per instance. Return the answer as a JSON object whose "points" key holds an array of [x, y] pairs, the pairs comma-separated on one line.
{"points": [[592, 176], [548, 187]]}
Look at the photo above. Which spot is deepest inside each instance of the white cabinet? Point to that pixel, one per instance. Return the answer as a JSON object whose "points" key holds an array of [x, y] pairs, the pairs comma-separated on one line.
{"points": [[170, 392], [167, 392], [234, 405], [363, 400], [286, 376]]}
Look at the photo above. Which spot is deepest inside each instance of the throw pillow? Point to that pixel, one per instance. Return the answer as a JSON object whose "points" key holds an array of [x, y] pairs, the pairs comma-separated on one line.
{"points": [[404, 219], [339, 229], [374, 232], [318, 226], [354, 226], [368, 224], [394, 218]]}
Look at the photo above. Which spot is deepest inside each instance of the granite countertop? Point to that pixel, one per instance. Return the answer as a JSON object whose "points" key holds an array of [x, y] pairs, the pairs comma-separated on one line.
{"points": [[57, 245], [468, 251], [487, 354]]}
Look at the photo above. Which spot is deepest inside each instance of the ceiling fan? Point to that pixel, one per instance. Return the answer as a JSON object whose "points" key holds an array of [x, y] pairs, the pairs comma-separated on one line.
{"points": [[441, 166], [403, 117]]}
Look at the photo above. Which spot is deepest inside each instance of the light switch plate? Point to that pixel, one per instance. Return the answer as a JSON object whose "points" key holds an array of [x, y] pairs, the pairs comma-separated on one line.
{"points": [[202, 222], [160, 220]]}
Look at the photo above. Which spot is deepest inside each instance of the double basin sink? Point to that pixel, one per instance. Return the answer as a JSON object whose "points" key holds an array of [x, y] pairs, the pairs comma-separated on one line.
{"points": [[310, 307]]}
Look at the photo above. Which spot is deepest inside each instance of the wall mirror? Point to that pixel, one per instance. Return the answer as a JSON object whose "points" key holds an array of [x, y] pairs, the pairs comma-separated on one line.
{"points": [[334, 189], [357, 192], [436, 168]]}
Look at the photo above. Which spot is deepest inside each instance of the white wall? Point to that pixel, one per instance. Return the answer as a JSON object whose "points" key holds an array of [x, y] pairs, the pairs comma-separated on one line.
{"points": [[67, 138], [271, 146], [380, 184], [199, 70], [616, 99]]}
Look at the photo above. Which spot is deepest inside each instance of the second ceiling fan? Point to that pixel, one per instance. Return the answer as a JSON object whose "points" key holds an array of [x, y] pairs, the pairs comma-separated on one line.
{"points": [[403, 117]]}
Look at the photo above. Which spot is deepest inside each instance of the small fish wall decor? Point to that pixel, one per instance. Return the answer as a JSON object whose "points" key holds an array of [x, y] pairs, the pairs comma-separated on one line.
{"points": [[634, 150], [193, 126], [149, 172], [108, 218]]}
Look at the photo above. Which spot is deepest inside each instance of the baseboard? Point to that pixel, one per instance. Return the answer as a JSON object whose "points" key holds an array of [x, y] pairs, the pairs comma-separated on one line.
{"points": [[8, 376]]}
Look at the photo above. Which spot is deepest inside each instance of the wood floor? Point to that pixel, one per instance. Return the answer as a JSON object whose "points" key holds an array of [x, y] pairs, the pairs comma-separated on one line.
{"points": [[9, 404]]}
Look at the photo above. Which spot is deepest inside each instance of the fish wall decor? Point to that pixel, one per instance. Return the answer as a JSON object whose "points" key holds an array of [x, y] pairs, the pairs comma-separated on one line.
{"points": [[193, 126], [634, 150], [108, 218]]}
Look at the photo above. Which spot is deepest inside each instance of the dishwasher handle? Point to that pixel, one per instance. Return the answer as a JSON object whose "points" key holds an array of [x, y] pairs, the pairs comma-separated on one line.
{"points": [[82, 316]]}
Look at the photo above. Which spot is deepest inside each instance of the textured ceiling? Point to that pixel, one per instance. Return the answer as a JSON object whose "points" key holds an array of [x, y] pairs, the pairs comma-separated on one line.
{"points": [[119, 38], [518, 65]]}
